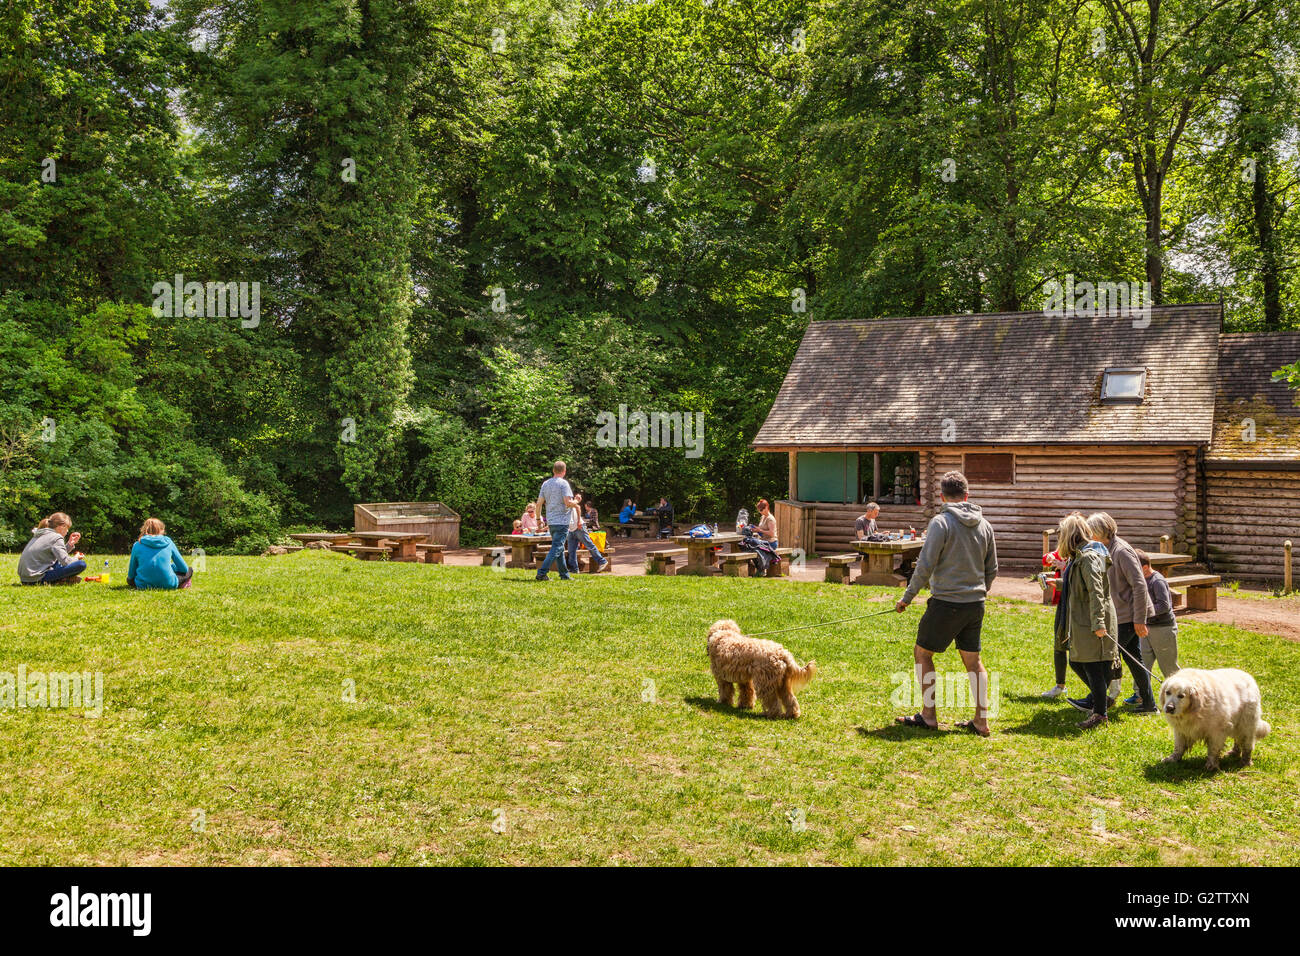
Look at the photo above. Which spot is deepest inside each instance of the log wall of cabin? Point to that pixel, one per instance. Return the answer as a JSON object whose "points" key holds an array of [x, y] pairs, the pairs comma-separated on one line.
{"points": [[1250, 514], [1147, 491]]}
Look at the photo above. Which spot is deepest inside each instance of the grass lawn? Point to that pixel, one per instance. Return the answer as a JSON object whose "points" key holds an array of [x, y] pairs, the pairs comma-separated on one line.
{"points": [[483, 698]]}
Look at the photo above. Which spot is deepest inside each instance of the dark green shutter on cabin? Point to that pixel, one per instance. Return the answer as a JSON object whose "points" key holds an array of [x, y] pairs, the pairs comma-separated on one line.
{"points": [[827, 476]]}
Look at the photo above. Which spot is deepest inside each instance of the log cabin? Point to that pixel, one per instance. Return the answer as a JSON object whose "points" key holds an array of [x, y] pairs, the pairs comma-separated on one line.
{"points": [[1130, 413]]}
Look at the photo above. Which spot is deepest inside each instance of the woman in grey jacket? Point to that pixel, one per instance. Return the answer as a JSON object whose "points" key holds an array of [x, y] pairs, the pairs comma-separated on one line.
{"points": [[45, 559], [1085, 618]]}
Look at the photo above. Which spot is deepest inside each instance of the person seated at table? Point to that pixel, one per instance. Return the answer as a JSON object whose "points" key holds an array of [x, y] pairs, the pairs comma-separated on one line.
{"points": [[45, 558], [766, 523], [625, 518], [156, 562], [518, 528], [590, 516], [664, 511], [578, 535], [529, 524], [865, 526]]}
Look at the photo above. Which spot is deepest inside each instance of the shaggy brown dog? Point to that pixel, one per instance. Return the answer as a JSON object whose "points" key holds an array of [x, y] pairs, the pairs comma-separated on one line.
{"points": [[756, 666]]}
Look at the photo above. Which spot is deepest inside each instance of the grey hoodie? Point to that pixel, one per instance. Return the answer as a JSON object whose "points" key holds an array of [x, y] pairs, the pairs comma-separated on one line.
{"points": [[959, 560], [46, 549]]}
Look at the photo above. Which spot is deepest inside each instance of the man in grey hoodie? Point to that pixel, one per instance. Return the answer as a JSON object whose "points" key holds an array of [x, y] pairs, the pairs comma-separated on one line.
{"points": [[958, 562]]}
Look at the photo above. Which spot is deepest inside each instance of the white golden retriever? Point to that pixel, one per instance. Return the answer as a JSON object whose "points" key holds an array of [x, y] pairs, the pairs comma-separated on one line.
{"points": [[1213, 706]]}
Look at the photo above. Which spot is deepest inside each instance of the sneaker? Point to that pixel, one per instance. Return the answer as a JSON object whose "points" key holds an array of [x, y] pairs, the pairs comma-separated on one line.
{"points": [[603, 565], [1096, 720], [1134, 700], [1113, 691], [541, 577], [1143, 709], [1083, 703], [1055, 692]]}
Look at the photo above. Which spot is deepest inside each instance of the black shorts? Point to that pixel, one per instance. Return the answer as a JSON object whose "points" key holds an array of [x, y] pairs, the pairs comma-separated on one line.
{"points": [[946, 621]]}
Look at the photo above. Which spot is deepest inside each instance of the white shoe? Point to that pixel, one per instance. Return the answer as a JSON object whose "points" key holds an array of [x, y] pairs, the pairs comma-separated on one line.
{"points": [[1112, 691], [1056, 691]]}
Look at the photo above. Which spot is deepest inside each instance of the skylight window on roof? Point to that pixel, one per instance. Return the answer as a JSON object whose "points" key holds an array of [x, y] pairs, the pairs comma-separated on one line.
{"points": [[1124, 385]]}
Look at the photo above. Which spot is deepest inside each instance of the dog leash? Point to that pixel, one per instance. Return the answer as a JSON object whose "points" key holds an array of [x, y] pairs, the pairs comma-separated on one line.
{"points": [[803, 627]]}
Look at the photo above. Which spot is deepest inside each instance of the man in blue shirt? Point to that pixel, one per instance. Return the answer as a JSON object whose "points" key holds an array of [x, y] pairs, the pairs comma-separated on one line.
{"points": [[554, 500]]}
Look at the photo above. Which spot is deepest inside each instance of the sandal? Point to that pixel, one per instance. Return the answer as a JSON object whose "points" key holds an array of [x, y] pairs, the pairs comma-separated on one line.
{"points": [[970, 725], [916, 720]]}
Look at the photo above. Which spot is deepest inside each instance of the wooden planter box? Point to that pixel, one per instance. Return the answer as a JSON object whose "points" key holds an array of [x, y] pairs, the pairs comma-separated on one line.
{"points": [[433, 518]]}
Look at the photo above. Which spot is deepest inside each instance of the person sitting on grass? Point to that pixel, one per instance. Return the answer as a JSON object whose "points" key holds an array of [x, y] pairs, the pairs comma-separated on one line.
{"points": [[156, 562], [45, 558], [1161, 640]]}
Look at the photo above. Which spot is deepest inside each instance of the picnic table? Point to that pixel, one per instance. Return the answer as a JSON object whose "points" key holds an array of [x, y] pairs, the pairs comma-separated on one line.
{"points": [[880, 559], [327, 537], [699, 551], [404, 542], [1162, 562], [521, 547]]}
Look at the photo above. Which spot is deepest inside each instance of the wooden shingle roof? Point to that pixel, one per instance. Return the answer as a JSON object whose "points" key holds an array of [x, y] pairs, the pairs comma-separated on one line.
{"points": [[1250, 404], [1001, 378]]}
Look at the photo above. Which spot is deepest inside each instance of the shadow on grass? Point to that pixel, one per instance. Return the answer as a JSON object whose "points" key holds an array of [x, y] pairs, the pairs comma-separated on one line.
{"points": [[900, 734], [1189, 768], [1053, 722], [713, 704]]}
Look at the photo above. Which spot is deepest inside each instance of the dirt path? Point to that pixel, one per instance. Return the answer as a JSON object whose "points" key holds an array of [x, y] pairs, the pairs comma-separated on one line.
{"points": [[1280, 616]]}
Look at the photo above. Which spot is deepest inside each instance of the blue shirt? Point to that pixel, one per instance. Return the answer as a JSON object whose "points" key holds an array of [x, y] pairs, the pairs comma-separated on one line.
{"points": [[155, 563], [553, 493], [626, 514]]}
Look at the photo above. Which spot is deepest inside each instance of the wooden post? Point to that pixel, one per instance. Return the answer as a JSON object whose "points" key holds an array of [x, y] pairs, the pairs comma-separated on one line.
{"points": [[1286, 568], [1166, 544], [875, 477], [1047, 541], [794, 476]]}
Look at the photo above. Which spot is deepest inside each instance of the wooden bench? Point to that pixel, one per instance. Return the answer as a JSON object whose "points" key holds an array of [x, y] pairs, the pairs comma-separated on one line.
{"points": [[1202, 591], [664, 561], [489, 555], [430, 553], [585, 562], [781, 570], [366, 552], [737, 563], [839, 568]]}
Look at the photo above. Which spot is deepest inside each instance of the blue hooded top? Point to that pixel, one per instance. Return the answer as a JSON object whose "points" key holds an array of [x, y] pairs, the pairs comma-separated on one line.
{"points": [[155, 563]]}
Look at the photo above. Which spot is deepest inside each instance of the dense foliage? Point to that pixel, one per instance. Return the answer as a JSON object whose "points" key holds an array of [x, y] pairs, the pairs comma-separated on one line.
{"points": [[475, 225]]}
